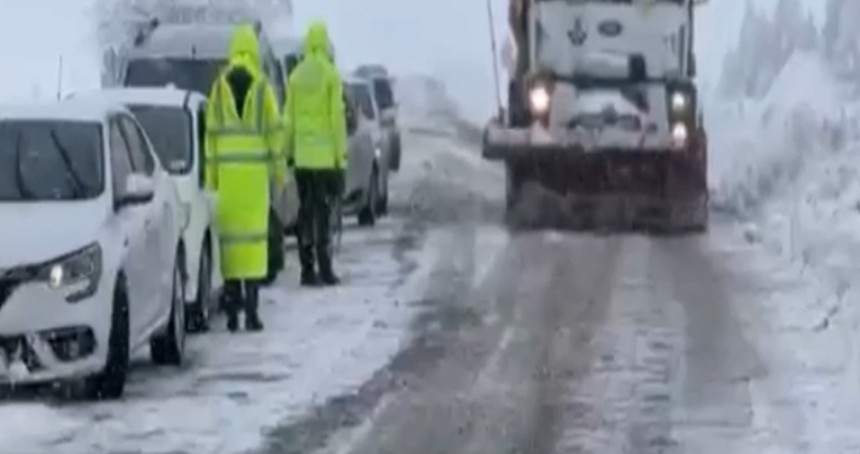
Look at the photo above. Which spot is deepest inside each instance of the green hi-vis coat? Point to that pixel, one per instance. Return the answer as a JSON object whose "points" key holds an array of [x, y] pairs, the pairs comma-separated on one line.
{"points": [[314, 113], [242, 155]]}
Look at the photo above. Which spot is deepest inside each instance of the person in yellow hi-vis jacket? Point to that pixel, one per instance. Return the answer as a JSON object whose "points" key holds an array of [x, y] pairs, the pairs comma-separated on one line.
{"points": [[317, 144], [245, 149]]}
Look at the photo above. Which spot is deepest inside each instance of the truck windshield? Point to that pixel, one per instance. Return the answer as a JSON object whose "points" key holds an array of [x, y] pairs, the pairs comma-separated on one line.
{"points": [[195, 75], [44, 160], [169, 129]]}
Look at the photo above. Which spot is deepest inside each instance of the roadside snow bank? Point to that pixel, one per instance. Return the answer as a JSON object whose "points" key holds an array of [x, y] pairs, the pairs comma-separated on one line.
{"points": [[758, 147]]}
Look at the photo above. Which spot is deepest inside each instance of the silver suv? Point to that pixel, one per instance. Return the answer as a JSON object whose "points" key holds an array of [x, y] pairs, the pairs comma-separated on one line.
{"points": [[383, 93]]}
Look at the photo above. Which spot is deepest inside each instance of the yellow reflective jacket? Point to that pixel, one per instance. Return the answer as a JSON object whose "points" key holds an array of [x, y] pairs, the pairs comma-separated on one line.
{"points": [[243, 154], [314, 113]]}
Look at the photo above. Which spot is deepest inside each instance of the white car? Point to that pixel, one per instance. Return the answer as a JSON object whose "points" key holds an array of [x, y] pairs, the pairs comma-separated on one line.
{"points": [[90, 248], [174, 119]]}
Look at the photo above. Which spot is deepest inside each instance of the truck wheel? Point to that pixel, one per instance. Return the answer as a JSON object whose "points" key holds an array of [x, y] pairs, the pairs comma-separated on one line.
{"points": [[513, 187]]}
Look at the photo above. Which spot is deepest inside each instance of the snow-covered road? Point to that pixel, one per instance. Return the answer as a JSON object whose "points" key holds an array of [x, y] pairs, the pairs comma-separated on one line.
{"points": [[452, 335]]}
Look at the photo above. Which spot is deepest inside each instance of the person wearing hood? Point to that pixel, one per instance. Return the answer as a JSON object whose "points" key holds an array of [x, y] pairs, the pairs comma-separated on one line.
{"points": [[244, 153], [316, 138]]}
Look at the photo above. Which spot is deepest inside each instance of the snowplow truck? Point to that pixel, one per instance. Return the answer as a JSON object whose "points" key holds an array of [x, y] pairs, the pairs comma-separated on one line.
{"points": [[603, 129]]}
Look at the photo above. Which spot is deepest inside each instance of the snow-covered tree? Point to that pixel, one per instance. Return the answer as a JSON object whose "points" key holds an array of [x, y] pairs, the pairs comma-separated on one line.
{"points": [[764, 46]]}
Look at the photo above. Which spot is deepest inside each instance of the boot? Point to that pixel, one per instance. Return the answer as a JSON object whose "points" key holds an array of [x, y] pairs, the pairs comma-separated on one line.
{"points": [[232, 320], [252, 317], [309, 278], [309, 275], [253, 322], [327, 276], [232, 300]]}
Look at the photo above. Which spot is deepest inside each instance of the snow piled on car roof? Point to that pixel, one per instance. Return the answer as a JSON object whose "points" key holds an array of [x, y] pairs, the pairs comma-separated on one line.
{"points": [[74, 111]]}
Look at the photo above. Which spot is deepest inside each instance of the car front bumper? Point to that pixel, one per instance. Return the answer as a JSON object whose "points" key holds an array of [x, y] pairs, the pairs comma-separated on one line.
{"points": [[43, 338]]}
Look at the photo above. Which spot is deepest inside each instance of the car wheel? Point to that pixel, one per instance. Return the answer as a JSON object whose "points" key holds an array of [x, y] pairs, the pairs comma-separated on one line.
{"points": [[169, 347], [382, 205], [110, 382], [367, 215], [197, 316], [395, 154]]}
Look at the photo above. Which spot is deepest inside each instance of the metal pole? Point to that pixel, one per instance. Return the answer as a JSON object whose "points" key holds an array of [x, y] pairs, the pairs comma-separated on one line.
{"points": [[495, 57], [60, 79]]}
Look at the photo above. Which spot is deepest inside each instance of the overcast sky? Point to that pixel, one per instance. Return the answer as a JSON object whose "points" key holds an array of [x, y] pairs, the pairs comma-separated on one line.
{"points": [[447, 38]]}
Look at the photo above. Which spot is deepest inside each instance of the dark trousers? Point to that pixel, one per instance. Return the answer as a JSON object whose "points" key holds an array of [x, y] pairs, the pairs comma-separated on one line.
{"points": [[241, 294], [317, 189]]}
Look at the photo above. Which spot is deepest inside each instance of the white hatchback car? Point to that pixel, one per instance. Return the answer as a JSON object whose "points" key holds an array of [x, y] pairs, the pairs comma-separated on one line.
{"points": [[90, 248], [174, 121]]}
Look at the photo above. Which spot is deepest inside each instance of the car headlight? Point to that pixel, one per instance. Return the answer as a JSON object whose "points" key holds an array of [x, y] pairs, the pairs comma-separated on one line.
{"points": [[680, 134], [539, 99], [76, 276], [680, 102]]}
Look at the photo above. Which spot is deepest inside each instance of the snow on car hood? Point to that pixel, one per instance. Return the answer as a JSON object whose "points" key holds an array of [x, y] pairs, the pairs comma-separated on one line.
{"points": [[38, 232]]}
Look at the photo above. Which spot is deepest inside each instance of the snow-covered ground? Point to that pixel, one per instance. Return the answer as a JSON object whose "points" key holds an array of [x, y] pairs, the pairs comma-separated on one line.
{"points": [[785, 170], [318, 344]]}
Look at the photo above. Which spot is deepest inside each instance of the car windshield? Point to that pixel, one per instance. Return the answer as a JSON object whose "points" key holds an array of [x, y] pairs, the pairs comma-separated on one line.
{"points": [[169, 129], [384, 95], [44, 160], [360, 94], [195, 75]]}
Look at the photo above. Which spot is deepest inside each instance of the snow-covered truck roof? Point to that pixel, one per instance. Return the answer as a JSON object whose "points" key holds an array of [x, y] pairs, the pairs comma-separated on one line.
{"points": [[166, 97], [201, 41]]}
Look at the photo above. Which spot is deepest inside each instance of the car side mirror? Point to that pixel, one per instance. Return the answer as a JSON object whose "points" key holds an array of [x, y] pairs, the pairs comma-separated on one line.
{"points": [[139, 190]]}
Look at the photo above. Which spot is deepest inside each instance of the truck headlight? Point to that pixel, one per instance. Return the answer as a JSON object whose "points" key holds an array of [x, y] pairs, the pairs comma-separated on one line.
{"points": [[679, 102], [680, 134], [77, 275], [539, 99]]}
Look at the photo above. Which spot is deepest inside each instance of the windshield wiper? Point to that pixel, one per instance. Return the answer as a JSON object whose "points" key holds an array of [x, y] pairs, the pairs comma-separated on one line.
{"points": [[26, 193], [81, 189]]}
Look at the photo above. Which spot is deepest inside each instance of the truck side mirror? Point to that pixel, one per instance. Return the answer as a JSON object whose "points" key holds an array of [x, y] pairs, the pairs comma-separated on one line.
{"points": [[693, 70]]}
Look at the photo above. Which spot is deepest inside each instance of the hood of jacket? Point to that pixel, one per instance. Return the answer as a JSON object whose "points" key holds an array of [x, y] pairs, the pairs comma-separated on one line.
{"points": [[244, 47], [317, 41]]}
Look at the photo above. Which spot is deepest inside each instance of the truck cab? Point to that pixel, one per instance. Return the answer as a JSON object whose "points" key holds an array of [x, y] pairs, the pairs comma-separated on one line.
{"points": [[608, 87]]}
